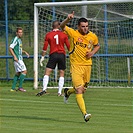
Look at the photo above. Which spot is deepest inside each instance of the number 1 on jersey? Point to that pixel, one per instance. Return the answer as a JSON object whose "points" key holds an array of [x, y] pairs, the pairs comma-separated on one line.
{"points": [[57, 39]]}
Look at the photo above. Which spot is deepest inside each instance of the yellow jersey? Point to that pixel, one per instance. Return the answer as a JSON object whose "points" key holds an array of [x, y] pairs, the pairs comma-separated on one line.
{"points": [[80, 45]]}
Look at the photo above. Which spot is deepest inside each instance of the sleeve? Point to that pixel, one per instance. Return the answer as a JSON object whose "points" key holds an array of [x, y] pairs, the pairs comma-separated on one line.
{"points": [[69, 31], [67, 42], [45, 46], [95, 39], [13, 44]]}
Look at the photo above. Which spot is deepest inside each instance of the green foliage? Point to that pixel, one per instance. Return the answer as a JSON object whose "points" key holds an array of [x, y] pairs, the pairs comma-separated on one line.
{"points": [[2, 13], [21, 9]]}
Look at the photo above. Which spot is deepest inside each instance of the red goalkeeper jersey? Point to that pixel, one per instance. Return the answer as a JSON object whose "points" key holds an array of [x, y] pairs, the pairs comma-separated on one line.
{"points": [[57, 40]]}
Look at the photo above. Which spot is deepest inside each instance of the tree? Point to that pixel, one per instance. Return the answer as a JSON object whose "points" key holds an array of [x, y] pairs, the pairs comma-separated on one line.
{"points": [[2, 13], [21, 9]]}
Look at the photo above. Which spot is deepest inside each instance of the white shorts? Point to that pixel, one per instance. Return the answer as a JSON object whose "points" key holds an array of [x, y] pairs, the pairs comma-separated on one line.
{"points": [[19, 66]]}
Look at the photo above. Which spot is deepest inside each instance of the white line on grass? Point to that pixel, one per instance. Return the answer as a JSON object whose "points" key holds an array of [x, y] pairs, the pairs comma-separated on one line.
{"points": [[121, 105], [16, 100]]}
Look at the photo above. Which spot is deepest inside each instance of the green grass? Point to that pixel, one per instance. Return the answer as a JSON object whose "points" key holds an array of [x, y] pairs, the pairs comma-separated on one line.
{"points": [[111, 110]]}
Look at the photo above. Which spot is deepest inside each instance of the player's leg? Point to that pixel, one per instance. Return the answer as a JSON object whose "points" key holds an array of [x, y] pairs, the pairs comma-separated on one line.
{"points": [[16, 76], [46, 78], [21, 80], [61, 82], [15, 79], [81, 103], [49, 68], [80, 100], [61, 61], [78, 82], [68, 91], [87, 74], [22, 76], [45, 81]]}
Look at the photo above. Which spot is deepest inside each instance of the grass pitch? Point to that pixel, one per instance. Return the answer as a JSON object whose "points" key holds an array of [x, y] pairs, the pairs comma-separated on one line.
{"points": [[111, 109]]}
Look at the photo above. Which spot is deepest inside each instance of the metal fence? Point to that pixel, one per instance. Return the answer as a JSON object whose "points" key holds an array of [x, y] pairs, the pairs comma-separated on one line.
{"points": [[6, 63]]}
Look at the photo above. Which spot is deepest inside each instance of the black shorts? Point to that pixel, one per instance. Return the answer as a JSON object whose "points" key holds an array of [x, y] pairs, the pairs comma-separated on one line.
{"points": [[57, 58]]}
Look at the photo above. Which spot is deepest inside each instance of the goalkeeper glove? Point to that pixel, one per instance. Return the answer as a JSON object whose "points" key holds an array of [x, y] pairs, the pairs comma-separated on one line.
{"points": [[41, 60]]}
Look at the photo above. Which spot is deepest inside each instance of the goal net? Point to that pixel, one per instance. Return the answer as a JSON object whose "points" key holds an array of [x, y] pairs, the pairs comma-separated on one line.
{"points": [[111, 21]]}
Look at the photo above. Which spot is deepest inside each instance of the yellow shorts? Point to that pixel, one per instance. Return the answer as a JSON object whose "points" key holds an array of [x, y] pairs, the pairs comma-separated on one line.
{"points": [[80, 75]]}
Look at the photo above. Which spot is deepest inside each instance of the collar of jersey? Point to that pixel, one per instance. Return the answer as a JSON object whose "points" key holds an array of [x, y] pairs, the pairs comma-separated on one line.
{"points": [[55, 29]]}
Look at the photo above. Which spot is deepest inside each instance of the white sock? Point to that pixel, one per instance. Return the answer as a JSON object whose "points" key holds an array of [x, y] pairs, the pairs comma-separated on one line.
{"points": [[45, 82], [61, 83]]}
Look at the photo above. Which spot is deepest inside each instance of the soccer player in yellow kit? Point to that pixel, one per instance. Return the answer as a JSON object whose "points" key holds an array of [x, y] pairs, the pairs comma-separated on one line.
{"points": [[83, 45]]}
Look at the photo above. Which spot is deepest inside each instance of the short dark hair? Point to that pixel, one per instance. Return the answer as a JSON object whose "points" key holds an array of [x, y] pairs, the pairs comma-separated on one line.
{"points": [[18, 28], [82, 20], [55, 24]]}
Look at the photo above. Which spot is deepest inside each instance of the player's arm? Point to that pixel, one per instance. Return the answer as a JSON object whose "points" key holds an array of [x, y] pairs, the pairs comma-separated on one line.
{"points": [[43, 55], [13, 54], [94, 51], [67, 43], [42, 58], [26, 53], [11, 47], [69, 17], [44, 50]]}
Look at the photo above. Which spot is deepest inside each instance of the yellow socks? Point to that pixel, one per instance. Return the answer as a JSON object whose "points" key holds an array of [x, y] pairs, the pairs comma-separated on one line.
{"points": [[81, 103], [70, 91]]}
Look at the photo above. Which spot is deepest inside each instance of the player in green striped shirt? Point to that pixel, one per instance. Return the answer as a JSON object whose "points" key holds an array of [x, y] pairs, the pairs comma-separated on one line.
{"points": [[20, 68]]}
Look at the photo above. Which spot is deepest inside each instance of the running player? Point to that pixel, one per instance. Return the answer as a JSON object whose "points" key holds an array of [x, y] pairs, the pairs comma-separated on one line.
{"points": [[83, 45]]}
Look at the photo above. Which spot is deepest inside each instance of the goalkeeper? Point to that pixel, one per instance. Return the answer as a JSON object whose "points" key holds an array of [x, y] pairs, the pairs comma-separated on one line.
{"points": [[83, 45], [56, 39]]}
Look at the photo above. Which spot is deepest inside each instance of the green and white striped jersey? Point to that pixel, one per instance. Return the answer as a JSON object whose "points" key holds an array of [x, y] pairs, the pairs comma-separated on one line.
{"points": [[16, 45]]}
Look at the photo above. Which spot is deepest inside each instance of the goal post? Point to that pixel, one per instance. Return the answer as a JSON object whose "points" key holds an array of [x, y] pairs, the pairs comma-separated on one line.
{"points": [[112, 25], [35, 47]]}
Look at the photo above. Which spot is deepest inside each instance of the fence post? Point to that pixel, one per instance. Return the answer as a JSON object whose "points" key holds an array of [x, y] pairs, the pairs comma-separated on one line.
{"points": [[6, 29], [106, 40]]}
